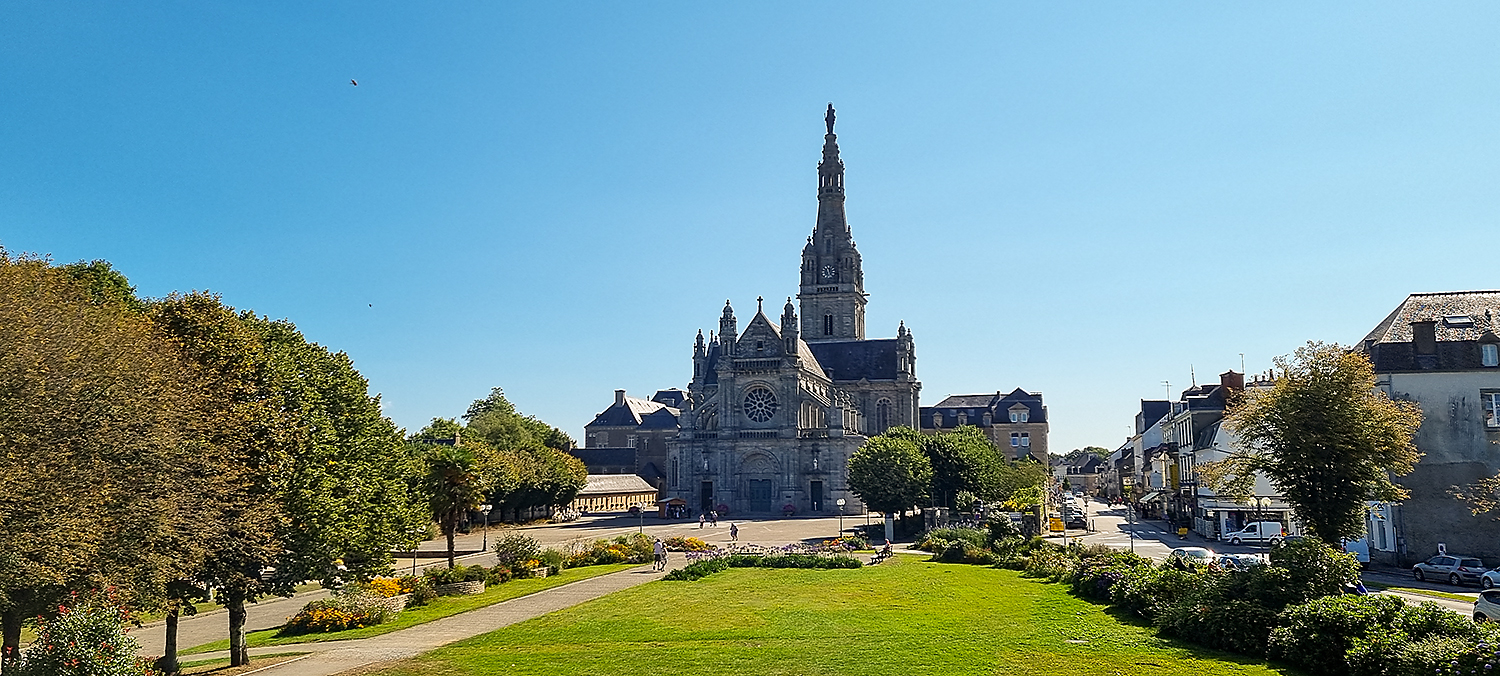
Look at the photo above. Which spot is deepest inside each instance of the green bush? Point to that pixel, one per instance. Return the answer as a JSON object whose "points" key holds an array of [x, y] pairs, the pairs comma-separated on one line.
{"points": [[458, 573], [554, 559], [1314, 569], [1053, 563], [86, 638], [697, 570], [1317, 634], [1148, 591], [1424, 639], [964, 552], [1096, 573], [516, 549], [1214, 613], [938, 539], [1003, 529], [419, 588], [348, 608]]}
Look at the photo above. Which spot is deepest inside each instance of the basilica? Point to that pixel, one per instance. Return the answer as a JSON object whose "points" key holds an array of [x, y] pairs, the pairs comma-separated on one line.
{"points": [[774, 412]]}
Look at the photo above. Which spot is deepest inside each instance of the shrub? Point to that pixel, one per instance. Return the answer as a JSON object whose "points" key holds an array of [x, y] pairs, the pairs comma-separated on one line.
{"points": [[1003, 529], [1213, 613], [384, 586], [86, 638], [1150, 590], [458, 573], [1316, 634], [938, 539], [964, 552], [1315, 570], [553, 559], [1097, 573], [515, 549], [420, 589], [1424, 639], [679, 543], [697, 570], [500, 574], [1053, 563], [346, 609]]}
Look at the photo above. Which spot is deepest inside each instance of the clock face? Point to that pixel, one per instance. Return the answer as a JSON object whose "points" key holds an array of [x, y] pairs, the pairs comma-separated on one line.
{"points": [[828, 272]]}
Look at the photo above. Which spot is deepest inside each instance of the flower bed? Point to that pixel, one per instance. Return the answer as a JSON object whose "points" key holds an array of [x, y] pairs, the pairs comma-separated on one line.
{"points": [[350, 608], [792, 556]]}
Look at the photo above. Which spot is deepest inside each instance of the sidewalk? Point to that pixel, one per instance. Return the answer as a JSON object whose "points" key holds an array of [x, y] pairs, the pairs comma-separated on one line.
{"points": [[333, 657]]}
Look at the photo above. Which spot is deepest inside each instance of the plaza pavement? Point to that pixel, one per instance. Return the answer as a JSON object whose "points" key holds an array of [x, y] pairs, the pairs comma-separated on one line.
{"points": [[272, 612]]}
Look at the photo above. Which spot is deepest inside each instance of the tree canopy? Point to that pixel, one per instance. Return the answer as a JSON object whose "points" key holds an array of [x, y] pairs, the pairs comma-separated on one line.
{"points": [[1324, 436], [963, 459], [890, 474]]}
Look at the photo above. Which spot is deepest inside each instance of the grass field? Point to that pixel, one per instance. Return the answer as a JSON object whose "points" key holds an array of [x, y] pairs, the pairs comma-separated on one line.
{"points": [[439, 608], [903, 617]]}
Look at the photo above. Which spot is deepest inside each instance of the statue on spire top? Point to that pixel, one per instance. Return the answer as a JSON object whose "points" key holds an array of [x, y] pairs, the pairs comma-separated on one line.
{"points": [[829, 118]]}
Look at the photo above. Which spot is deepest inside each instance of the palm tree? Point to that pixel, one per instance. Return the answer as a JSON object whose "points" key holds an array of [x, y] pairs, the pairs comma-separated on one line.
{"points": [[456, 484]]}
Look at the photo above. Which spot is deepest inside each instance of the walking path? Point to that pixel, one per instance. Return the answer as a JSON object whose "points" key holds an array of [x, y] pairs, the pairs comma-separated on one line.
{"points": [[333, 657]]}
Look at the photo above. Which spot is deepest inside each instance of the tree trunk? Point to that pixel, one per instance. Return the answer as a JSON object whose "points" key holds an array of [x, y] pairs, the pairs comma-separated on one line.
{"points": [[11, 621], [168, 662], [450, 532], [239, 653]]}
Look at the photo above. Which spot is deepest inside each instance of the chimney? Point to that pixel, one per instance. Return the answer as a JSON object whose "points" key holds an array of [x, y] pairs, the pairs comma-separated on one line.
{"points": [[619, 397], [1424, 337], [1234, 382]]}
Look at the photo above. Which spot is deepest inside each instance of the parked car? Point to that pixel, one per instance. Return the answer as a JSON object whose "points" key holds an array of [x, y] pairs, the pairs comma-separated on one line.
{"points": [[1490, 578], [1487, 606], [1191, 557], [1257, 532], [1455, 569], [1238, 561], [1076, 520]]}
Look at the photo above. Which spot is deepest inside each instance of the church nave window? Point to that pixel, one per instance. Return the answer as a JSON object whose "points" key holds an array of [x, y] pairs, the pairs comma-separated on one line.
{"points": [[882, 415], [828, 324]]}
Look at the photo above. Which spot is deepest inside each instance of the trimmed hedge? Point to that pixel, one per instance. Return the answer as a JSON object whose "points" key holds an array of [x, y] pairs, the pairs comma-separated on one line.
{"points": [[706, 567]]}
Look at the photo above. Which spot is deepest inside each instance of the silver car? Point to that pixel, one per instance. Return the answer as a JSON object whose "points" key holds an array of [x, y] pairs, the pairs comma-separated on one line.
{"points": [[1487, 606], [1456, 570]]}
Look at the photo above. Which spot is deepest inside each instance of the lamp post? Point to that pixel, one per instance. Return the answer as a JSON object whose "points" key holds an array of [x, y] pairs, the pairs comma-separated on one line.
{"points": [[840, 502], [485, 509]]}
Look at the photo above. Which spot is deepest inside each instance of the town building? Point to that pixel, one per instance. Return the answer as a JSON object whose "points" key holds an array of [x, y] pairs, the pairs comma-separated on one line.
{"points": [[631, 436], [773, 413], [605, 493], [1015, 422], [1442, 351]]}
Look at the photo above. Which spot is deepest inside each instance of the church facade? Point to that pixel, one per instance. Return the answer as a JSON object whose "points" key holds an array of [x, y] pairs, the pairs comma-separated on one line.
{"points": [[773, 413]]}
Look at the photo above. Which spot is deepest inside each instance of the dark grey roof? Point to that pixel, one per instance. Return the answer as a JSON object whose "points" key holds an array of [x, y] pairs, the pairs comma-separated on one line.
{"points": [[672, 397], [662, 419], [847, 360], [1463, 320], [627, 414], [711, 375], [606, 456], [998, 405], [1152, 410]]}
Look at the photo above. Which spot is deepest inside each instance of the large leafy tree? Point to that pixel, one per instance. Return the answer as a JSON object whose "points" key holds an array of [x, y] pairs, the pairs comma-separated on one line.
{"points": [[93, 440], [496, 420], [890, 474], [962, 460], [1325, 437]]}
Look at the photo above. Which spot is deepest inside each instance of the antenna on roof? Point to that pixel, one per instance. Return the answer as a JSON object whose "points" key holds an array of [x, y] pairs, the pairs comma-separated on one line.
{"points": [[1242, 363], [1192, 375], [1167, 384]]}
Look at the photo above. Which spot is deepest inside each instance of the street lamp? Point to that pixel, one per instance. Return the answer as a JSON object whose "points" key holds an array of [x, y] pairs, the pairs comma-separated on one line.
{"points": [[485, 509], [840, 502]]}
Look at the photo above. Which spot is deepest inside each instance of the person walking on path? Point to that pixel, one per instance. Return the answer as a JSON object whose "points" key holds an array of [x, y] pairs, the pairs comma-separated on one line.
{"points": [[661, 555], [713, 518], [734, 533], [700, 521]]}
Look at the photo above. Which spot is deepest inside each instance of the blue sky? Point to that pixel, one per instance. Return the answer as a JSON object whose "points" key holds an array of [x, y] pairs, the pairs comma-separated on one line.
{"points": [[1084, 198]]}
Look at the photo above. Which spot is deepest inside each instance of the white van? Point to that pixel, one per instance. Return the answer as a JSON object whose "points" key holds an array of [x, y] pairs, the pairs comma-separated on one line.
{"points": [[1360, 549], [1256, 532]]}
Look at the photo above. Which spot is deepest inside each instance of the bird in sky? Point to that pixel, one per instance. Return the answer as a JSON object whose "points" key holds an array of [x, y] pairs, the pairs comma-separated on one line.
{"points": [[354, 82]]}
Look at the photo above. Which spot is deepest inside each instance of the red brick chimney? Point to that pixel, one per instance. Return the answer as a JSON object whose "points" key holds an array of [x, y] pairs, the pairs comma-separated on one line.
{"points": [[1232, 381]]}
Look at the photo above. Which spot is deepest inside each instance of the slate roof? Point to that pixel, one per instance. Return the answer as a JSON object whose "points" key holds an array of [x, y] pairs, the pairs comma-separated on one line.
{"points": [[628, 414], [1482, 306], [672, 397], [848, 360], [605, 456], [664, 418], [1152, 410], [1463, 320], [608, 484], [975, 405]]}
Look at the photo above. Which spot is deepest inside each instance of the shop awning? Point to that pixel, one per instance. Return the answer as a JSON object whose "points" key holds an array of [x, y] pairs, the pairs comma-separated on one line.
{"points": [[1151, 497]]}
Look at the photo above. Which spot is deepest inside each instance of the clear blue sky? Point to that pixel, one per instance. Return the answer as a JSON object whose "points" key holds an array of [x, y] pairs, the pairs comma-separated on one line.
{"points": [[1081, 198]]}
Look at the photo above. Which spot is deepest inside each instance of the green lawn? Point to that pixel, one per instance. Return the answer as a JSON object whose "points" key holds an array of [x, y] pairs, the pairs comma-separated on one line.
{"points": [[439, 608], [1419, 592], [903, 617]]}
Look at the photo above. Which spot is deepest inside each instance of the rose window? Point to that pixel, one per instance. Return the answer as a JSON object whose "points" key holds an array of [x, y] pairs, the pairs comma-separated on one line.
{"points": [[760, 404]]}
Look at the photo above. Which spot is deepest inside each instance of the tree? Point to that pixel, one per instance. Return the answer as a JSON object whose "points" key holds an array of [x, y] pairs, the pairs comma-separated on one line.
{"points": [[962, 460], [92, 404], [890, 475], [496, 420], [456, 483], [1325, 437]]}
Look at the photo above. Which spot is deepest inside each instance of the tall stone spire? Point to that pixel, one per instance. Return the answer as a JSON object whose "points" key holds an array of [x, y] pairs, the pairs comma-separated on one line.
{"points": [[832, 291]]}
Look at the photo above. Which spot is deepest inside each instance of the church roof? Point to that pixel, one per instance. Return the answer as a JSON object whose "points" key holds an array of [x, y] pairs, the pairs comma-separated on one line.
{"points": [[663, 418], [844, 360]]}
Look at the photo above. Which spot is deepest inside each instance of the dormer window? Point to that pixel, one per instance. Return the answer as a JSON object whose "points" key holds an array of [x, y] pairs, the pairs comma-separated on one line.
{"points": [[963, 418], [937, 419], [1489, 354]]}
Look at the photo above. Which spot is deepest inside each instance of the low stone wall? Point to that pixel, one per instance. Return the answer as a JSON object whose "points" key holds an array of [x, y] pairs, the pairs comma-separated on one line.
{"points": [[460, 588], [397, 603]]}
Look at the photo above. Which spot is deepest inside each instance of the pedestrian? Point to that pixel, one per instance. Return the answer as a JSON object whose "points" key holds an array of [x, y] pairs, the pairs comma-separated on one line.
{"points": [[661, 555], [734, 532], [700, 521], [713, 518]]}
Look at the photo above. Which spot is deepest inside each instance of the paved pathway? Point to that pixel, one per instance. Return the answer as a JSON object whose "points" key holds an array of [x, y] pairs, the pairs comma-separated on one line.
{"points": [[335, 657]]}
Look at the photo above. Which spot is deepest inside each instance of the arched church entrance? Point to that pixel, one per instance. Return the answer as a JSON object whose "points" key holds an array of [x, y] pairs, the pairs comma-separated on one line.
{"points": [[758, 472]]}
